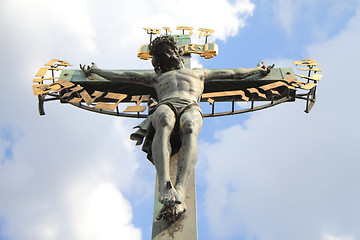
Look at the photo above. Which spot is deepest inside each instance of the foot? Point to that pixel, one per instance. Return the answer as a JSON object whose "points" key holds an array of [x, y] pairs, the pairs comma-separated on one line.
{"points": [[171, 212], [180, 191], [168, 194]]}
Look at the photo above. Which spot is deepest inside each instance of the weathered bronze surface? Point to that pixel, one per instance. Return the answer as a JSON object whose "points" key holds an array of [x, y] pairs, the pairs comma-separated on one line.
{"points": [[173, 92], [186, 226], [178, 91]]}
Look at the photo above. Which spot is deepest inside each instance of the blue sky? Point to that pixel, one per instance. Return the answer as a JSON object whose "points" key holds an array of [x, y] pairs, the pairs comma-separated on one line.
{"points": [[274, 174]]}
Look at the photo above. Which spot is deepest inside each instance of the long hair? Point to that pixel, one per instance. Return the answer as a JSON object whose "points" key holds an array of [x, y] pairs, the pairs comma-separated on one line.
{"points": [[159, 41], [158, 45]]}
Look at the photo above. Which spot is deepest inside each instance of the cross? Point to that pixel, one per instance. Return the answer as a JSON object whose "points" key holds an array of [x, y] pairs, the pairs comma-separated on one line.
{"points": [[173, 92]]}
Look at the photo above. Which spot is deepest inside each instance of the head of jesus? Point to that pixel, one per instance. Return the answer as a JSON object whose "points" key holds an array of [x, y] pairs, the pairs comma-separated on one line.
{"points": [[166, 55]]}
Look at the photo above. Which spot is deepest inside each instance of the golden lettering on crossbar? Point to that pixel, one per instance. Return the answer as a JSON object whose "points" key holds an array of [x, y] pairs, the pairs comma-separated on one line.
{"points": [[208, 50], [202, 31], [205, 32], [138, 100], [152, 30], [108, 106], [190, 29]]}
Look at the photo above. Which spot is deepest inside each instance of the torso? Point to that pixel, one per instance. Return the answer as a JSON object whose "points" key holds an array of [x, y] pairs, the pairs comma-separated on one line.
{"points": [[184, 83]]}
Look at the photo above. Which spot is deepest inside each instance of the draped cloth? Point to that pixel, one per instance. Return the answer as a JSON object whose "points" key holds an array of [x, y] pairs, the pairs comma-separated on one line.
{"points": [[145, 131]]}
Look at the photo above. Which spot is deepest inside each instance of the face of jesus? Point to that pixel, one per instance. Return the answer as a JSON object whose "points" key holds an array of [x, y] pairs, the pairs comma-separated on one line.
{"points": [[167, 58]]}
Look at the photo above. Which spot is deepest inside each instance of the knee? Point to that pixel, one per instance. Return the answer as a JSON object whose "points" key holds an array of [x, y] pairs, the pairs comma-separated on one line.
{"points": [[188, 126], [166, 119]]}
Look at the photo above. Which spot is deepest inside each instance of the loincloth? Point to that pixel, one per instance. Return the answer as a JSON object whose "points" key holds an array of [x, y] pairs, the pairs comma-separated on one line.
{"points": [[145, 131]]}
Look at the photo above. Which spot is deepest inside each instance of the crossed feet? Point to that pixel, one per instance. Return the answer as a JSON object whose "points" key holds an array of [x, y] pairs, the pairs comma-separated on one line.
{"points": [[173, 202]]}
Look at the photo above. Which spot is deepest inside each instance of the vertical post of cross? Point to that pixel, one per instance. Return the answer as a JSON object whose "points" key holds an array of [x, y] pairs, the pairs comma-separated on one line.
{"points": [[186, 226], [182, 41]]}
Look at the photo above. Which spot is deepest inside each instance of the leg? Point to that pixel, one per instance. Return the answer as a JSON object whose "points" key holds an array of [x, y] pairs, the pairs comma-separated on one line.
{"points": [[190, 126], [163, 120]]}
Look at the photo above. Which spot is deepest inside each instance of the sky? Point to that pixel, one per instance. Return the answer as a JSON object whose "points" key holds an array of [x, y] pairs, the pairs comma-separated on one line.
{"points": [[274, 174]]}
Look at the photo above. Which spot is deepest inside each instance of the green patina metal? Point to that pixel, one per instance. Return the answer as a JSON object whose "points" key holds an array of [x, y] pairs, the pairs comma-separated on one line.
{"points": [[101, 84], [183, 40]]}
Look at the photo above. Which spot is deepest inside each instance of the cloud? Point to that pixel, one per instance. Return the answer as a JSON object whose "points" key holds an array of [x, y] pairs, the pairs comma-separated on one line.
{"points": [[72, 173], [288, 175], [289, 13], [99, 211], [330, 237], [52, 180], [295, 14], [125, 23]]}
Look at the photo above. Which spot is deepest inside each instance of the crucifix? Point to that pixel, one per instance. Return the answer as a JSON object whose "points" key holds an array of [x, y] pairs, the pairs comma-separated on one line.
{"points": [[173, 92]]}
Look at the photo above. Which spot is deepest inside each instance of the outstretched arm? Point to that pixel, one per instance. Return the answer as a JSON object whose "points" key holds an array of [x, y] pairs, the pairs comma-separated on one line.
{"points": [[117, 76], [237, 73]]}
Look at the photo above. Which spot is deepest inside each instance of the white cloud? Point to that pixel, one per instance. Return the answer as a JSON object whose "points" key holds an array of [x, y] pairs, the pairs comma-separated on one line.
{"points": [[99, 211], [47, 25], [288, 175], [68, 169], [52, 180], [331, 237], [286, 12], [195, 61], [123, 32], [293, 14]]}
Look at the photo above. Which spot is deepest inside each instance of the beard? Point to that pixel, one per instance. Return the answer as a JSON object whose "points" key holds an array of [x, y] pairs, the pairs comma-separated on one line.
{"points": [[172, 63]]}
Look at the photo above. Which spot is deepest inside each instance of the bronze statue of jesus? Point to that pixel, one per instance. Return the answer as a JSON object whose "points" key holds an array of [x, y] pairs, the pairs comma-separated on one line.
{"points": [[175, 118]]}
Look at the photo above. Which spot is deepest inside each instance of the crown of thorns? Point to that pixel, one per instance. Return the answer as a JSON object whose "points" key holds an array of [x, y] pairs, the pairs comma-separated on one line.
{"points": [[161, 40]]}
